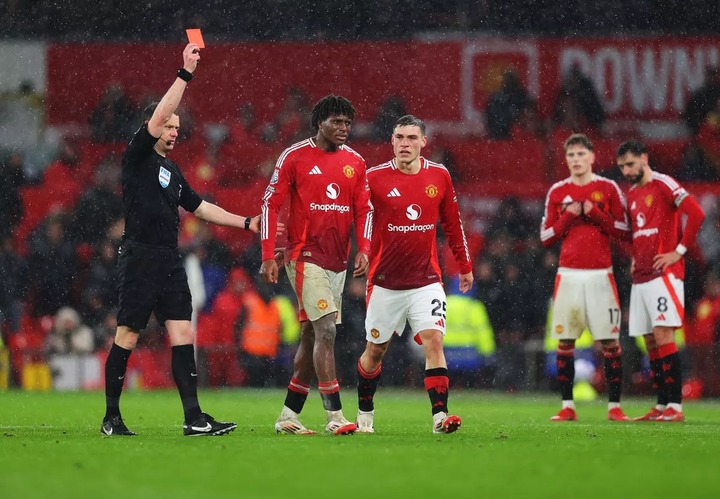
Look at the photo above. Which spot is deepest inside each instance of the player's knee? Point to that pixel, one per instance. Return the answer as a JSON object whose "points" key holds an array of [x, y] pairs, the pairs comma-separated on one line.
{"points": [[374, 353]]}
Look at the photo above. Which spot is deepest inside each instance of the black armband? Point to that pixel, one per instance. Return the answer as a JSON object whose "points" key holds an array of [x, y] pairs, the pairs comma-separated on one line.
{"points": [[247, 223], [184, 74]]}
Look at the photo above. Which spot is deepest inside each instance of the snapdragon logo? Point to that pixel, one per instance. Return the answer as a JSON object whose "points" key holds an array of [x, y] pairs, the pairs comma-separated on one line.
{"points": [[332, 191], [645, 233], [413, 212], [410, 228], [329, 207]]}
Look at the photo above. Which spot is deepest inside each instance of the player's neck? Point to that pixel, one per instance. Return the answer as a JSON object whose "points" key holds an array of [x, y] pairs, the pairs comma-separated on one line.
{"points": [[408, 167], [159, 149], [583, 179], [322, 143], [647, 175]]}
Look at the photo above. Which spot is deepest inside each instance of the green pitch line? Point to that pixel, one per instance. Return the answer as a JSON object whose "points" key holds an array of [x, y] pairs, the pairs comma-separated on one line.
{"points": [[50, 446]]}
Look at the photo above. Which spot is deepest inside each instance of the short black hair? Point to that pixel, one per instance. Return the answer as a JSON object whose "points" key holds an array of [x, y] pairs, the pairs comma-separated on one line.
{"points": [[410, 120], [578, 139], [331, 105], [634, 147], [149, 111]]}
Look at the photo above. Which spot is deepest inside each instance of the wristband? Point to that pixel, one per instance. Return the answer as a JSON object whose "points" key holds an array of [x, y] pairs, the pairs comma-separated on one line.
{"points": [[680, 250], [184, 74], [247, 223]]}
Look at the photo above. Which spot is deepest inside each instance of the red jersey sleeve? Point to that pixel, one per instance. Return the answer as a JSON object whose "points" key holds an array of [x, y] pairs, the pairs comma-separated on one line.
{"points": [[695, 217], [554, 226], [362, 213], [453, 229], [273, 199]]}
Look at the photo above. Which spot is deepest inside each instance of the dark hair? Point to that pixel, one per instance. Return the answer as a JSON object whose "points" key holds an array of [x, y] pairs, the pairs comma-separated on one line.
{"points": [[149, 111], [410, 120], [634, 147], [578, 139], [331, 105]]}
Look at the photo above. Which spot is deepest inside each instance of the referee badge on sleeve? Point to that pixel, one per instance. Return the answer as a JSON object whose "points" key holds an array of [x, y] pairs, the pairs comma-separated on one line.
{"points": [[164, 177]]}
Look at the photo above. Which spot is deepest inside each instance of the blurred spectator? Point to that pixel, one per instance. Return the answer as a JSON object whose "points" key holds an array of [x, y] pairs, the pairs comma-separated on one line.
{"points": [[100, 207], [99, 294], [694, 165], [259, 327], [505, 106], [13, 285], [701, 338], [529, 125], [292, 122], [388, 113], [510, 218], [217, 337], [113, 120], [445, 157], [61, 177], [53, 266], [577, 96], [703, 99], [69, 334], [21, 117], [12, 178]]}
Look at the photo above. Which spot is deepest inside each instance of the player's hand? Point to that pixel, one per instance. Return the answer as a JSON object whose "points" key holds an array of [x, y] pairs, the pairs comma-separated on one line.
{"points": [[664, 260], [361, 264], [587, 206], [191, 57], [575, 208], [269, 271], [466, 282], [280, 257]]}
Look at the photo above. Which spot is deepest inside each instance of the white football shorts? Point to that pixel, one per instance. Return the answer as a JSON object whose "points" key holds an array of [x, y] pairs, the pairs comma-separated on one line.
{"points": [[319, 291], [585, 298], [389, 309], [660, 302]]}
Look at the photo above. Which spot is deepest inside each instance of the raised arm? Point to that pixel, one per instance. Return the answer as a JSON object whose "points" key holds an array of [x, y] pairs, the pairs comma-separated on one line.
{"points": [[170, 101]]}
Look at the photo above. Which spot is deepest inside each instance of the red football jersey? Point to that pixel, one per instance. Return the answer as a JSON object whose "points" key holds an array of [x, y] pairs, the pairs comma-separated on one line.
{"points": [[655, 225], [586, 237], [406, 208], [328, 191]]}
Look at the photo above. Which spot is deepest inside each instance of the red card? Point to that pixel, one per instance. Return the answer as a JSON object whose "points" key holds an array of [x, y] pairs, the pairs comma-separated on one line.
{"points": [[195, 36]]}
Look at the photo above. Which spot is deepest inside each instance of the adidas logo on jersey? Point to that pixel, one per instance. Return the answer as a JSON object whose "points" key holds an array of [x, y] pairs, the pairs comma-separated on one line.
{"points": [[660, 317], [394, 193], [315, 170]]}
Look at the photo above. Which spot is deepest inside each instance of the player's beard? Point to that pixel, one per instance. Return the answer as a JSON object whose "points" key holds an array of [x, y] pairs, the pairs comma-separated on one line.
{"points": [[635, 179]]}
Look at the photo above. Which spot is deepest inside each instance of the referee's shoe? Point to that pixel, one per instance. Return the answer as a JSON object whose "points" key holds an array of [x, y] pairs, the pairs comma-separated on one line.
{"points": [[205, 425], [115, 426]]}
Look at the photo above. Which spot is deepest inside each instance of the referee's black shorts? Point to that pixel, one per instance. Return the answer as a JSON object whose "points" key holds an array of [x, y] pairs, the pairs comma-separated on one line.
{"points": [[151, 278]]}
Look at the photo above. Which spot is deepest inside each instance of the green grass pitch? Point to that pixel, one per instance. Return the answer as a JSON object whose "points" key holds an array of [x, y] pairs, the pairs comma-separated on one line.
{"points": [[50, 446]]}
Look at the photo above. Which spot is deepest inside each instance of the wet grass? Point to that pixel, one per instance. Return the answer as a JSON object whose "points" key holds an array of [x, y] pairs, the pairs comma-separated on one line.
{"points": [[50, 446]]}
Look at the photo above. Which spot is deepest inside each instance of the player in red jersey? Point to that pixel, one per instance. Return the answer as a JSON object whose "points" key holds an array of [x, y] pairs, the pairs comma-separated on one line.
{"points": [[327, 185], [656, 204], [408, 195], [585, 211]]}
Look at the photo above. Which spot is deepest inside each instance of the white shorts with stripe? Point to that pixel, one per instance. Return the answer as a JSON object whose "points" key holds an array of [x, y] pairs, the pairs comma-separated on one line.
{"points": [[660, 302], [585, 298], [319, 291], [389, 309]]}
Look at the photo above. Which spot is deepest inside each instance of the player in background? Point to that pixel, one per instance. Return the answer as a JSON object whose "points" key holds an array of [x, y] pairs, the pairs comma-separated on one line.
{"points": [[409, 194], [327, 185], [584, 212], [656, 204]]}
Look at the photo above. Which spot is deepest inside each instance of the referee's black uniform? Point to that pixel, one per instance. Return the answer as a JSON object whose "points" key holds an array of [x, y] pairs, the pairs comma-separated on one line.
{"points": [[151, 273]]}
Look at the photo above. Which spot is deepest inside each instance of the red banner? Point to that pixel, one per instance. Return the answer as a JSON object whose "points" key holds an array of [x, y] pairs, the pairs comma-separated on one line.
{"points": [[445, 81]]}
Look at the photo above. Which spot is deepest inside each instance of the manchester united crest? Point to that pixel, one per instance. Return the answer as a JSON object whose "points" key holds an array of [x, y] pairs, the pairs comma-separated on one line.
{"points": [[648, 200], [374, 333], [348, 171], [431, 191], [596, 196], [559, 329], [322, 304]]}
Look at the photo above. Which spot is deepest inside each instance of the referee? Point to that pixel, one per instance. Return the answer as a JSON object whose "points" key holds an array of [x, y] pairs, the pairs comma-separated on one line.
{"points": [[150, 269]]}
